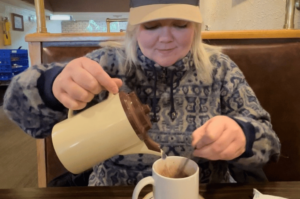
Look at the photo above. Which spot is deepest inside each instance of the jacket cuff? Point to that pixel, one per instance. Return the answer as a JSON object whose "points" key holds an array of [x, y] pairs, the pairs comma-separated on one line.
{"points": [[249, 132], [44, 85]]}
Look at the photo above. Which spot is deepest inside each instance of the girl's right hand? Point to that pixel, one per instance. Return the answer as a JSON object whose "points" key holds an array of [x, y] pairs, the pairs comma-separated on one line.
{"points": [[80, 81]]}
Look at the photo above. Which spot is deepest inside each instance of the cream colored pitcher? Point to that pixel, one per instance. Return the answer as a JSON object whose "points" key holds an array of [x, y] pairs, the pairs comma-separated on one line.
{"points": [[116, 126]]}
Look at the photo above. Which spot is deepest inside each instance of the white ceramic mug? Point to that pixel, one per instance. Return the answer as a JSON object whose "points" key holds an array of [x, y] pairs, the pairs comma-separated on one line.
{"points": [[171, 188]]}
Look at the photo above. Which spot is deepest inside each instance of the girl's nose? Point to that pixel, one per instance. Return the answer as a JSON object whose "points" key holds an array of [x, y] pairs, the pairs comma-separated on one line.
{"points": [[166, 35]]}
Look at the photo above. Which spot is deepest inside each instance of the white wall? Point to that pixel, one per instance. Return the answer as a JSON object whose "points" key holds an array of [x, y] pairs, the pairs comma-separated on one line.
{"points": [[18, 37], [245, 14]]}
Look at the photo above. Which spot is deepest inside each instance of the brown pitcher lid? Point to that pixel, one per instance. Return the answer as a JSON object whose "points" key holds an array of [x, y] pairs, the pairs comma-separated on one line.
{"points": [[137, 114]]}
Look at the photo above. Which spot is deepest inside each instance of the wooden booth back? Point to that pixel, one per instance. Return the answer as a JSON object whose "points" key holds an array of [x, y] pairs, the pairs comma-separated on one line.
{"points": [[271, 67]]}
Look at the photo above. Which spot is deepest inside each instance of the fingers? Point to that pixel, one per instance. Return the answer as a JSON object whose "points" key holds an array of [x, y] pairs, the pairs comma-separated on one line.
{"points": [[210, 134], [198, 133], [76, 92], [215, 150], [118, 82], [70, 103], [71, 95], [221, 139], [84, 79], [80, 81], [101, 76]]}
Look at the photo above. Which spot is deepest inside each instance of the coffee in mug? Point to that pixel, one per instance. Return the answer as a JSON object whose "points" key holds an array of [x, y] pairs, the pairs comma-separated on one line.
{"points": [[172, 172]]}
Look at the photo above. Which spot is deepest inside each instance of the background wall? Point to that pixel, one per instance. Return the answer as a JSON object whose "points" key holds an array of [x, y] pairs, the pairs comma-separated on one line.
{"points": [[18, 37], [217, 15], [83, 26], [91, 26], [245, 14]]}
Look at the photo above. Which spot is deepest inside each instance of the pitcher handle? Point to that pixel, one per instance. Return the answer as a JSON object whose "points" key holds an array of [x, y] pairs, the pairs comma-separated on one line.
{"points": [[144, 182], [71, 112]]}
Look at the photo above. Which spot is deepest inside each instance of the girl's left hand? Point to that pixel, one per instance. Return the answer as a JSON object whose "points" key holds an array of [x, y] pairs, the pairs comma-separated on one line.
{"points": [[220, 138]]}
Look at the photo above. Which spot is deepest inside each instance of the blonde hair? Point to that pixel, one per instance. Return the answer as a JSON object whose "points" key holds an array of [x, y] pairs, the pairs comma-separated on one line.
{"points": [[201, 52]]}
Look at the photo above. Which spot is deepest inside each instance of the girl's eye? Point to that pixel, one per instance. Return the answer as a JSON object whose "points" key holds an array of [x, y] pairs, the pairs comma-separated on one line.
{"points": [[181, 26], [150, 27]]}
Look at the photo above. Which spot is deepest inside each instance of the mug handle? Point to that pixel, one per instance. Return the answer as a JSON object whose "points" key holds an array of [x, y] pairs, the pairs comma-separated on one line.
{"points": [[144, 182], [71, 113]]}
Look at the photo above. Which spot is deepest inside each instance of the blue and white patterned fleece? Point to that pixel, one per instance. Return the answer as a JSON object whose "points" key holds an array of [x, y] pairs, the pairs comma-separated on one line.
{"points": [[180, 103]]}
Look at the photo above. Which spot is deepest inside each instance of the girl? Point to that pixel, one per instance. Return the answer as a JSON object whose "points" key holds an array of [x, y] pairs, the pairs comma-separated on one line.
{"points": [[200, 100]]}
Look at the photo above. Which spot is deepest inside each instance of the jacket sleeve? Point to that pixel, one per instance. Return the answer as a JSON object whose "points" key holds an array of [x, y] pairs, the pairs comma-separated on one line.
{"points": [[24, 105], [239, 102], [29, 100]]}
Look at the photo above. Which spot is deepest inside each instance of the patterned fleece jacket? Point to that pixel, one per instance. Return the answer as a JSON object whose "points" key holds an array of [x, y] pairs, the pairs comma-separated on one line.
{"points": [[181, 102]]}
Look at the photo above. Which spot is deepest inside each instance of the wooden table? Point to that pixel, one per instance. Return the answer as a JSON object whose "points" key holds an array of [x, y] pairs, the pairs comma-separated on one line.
{"points": [[222, 191]]}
